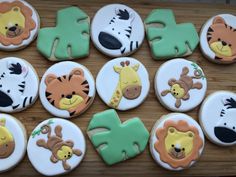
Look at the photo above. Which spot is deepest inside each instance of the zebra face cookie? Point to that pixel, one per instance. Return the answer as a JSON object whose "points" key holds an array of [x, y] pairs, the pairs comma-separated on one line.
{"points": [[180, 85], [217, 117], [13, 140], [121, 33], [61, 146], [123, 83], [218, 39], [67, 89], [18, 84]]}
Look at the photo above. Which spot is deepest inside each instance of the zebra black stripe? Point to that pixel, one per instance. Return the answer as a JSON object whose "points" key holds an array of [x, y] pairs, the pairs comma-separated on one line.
{"points": [[131, 46], [24, 101]]}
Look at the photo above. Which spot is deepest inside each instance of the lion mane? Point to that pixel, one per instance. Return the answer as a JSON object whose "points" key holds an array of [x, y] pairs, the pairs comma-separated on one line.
{"points": [[160, 143], [29, 22]]}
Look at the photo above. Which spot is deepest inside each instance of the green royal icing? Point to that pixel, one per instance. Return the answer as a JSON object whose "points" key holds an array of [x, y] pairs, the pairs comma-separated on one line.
{"points": [[120, 141], [38, 131], [171, 39], [69, 39]]}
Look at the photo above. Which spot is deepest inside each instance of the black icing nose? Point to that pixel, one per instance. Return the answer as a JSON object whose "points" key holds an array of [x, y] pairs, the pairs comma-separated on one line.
{"points": [[13, 28], [224, 43], [108, 41], [225, 135], [69, 96], [177, 150], [5, 100]]}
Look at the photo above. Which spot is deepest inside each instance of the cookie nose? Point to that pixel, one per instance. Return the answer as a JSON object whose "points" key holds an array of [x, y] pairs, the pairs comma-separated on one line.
{"points": [[5, 100], [132, 92], [224, 43], [69, 96], [108, 41], [177, 149], [13, 28], [225, 134]]}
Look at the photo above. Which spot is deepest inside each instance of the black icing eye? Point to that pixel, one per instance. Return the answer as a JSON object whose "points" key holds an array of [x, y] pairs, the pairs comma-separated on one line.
{"points": [[73, 93], [183, 149], [230, 45], [113, 29], [0, 86], [65, 156], [16, 24], [8, 91], [6, 27], [6, 145], [62, 96], [118, 32], [219, 39], [224, 123], [234, 128], [172, 145]]}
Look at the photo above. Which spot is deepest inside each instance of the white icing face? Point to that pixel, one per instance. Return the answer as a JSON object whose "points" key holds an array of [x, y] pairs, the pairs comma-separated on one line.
{"points": [[217, 117], [67, 89], [123, 83], [218, 39], [176, 142], [18, 84], [121, 33], [13, 140], [61, 146], [180, 85], [15, 25]]}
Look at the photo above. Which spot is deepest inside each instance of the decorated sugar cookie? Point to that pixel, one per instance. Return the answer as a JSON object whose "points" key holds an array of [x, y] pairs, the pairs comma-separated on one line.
{"points": [[120, 33], [217, 117], [116, 141], [18, 84], [67, 89], [176, 142], [166, 38], [61, 146], [13, 139], [19, 24], [218, 39], [69, 39], [180, 85], [123, 83]]}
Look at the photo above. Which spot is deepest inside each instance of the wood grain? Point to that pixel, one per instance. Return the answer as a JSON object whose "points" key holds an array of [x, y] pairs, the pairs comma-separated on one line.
{"points": [[216, 161]]}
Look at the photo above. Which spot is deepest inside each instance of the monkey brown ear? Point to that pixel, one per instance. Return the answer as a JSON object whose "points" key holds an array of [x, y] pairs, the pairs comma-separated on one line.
{"points": [[218, 20], [171, 82]]}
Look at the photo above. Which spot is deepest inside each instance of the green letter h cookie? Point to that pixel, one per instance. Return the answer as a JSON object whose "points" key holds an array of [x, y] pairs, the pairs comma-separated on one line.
{"points": [[69, 39], [168, 39], [116, 141]]}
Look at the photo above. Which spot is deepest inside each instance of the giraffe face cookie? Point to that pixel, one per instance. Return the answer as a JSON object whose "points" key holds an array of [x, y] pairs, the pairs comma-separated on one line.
{"points": [[180, 85], [218, 39], [67, 89], [217, 117], [18, 84], [123, 83], [19, 24], [61, 146], [121, 33], [176, 142], [13, 141]]}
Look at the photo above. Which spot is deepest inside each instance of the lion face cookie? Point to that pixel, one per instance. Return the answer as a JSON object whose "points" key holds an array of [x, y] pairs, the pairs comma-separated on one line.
{"points": [[218, 39], [177, 141], [67, 89], [61, 146], [19, 24]]}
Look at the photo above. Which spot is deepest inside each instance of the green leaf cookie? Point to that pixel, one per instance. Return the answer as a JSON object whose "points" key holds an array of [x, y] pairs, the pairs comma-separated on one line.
{"points": [[168, 39], [116, 141], [69, 39]]}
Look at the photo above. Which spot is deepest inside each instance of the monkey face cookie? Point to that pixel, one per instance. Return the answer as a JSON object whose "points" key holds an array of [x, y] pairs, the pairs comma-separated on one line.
{"points": [[19, 24], [18, 84], [123, 83], [13, 140], [180, 85], [56, 146], [67, 89], [120, 33], [218, 39], [176, 142], [217, 117]]}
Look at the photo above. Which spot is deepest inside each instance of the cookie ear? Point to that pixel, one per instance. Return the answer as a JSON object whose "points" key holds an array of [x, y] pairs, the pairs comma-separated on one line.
{"points": [[117, 69], [218, 20], [2, 122], [50, 78], [136, 67], [132, 16], [15, 9], [77, 71], [171, 129]]}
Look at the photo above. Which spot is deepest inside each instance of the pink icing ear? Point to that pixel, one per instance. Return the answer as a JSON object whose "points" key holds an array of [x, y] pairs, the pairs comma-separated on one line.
{"points": [[25, 71]]}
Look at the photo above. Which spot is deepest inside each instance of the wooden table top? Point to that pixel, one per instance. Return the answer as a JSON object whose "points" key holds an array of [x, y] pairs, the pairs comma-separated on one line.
{"points": [[215, 161]]}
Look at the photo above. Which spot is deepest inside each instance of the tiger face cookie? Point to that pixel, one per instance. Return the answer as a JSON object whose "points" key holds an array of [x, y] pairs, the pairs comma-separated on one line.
{"points": [[217, 117], [176, 142], [218, 39], [180, 85], [123, 83], [67, 89], [61, 146], [13, 140], [120, 33], [18, 84], [19, 24]]}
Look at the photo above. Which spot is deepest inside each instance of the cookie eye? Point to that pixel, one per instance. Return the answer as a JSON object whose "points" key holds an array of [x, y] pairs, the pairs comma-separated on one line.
{"points": [[73, 93], [172, 145], [6, 145], [113, 29], [183, 149], [6, 27], [62, 96], [16, 24], [225, 124], [230, 45], [8, 91], [118, 32], [65, 156], [234, 128], [219, 39], [0, 86]]}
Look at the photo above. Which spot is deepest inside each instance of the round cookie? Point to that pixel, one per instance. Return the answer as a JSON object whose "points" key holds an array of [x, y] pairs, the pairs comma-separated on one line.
{"points": [[217, 118], [18, 84], [176, 141], [61, 145], [218, 39], [13, 140], [180, 85], [67, 89], [19, 24], [123, 83], [120, 33]]}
